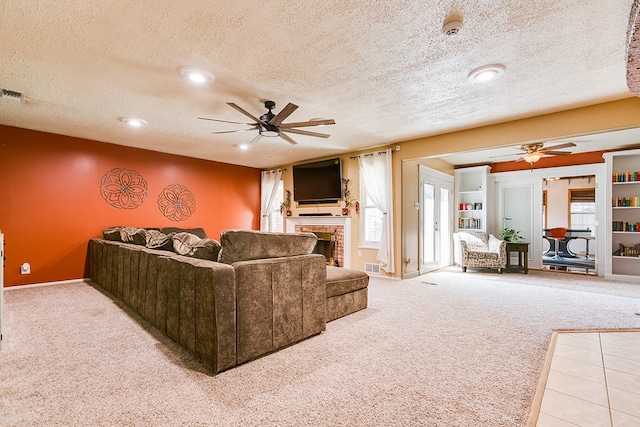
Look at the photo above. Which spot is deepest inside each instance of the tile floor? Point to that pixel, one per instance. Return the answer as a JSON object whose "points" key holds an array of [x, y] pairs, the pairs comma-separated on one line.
{"points": [[593, 380]]}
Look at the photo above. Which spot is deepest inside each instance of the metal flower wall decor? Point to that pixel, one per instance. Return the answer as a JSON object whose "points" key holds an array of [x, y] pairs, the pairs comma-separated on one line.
{"points": [[176, 202], [123, 188]]}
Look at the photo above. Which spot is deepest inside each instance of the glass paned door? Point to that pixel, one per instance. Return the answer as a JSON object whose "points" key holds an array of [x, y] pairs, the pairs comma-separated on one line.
{"points": [[436, 219]]}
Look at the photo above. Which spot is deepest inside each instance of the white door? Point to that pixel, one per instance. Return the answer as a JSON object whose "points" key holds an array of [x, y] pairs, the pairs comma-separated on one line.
{"points": [[436, 219], [517, 209]]}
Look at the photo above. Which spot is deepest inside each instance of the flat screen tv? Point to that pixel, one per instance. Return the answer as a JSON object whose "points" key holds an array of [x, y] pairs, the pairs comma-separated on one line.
{"points": [[318, 182]]}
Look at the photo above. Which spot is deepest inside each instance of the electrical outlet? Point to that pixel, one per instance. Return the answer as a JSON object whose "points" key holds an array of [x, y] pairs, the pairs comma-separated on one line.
{"points": [[25, 268]]}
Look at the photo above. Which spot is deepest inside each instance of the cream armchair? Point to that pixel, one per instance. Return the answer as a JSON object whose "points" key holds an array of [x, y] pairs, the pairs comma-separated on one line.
{"points": [[480, 250]]}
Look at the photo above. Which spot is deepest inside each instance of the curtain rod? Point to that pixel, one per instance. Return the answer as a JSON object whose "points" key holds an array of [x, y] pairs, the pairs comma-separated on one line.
{"points": [[275, 170], [368, 155]]}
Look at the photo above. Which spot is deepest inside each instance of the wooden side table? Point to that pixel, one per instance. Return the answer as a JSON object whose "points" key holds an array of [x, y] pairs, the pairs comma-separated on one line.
{"points": [[522, 248]]}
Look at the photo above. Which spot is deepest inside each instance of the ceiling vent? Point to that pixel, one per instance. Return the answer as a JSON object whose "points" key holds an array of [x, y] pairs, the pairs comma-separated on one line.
{"points": [[11, 94]]}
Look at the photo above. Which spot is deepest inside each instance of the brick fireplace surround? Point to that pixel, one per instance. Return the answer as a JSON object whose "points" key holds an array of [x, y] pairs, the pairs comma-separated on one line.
{"points": [[340, 226]]}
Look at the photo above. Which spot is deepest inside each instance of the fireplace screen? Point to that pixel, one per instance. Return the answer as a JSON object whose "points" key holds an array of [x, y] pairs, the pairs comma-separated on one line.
{"points": [[326, 246]]}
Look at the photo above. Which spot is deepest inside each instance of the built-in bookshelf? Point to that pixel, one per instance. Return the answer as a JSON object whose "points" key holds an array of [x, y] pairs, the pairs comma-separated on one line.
{"points": [[623, 216], [471, 198]]}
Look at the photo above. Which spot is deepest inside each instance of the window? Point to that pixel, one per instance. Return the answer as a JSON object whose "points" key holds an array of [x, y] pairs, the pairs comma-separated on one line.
{"points": [[582, 208], [276, 218], [370, 221]]}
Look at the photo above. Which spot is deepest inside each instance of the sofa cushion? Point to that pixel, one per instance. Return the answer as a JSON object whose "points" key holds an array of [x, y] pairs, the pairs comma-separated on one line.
{"points": [[133, 235], [247, 245], [156, 239], [344, 280], [188, 244], [197, 231]]}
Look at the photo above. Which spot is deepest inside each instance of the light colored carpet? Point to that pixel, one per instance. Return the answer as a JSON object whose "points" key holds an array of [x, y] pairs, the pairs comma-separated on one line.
{"points": [[445, 349]]}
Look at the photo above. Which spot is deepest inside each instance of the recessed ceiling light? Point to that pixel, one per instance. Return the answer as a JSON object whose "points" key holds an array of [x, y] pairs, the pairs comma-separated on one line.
{"points": [[133, 121], [486, 73], [243, 146], [195, 75]]}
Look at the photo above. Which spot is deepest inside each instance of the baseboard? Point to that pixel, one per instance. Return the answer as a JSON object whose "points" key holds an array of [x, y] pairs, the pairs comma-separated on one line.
{"points": [[36, 285]]}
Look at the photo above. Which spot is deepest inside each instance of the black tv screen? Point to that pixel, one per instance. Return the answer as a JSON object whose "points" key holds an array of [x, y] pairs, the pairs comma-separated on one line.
{"points": [[318, 182]]}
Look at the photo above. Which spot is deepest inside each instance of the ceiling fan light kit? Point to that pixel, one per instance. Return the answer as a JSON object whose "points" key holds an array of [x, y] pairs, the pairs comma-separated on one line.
{"points": [[532, 157]]}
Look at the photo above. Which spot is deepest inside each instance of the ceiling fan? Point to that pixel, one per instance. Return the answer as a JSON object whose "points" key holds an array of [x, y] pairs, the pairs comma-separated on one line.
{"points": [[271, 125], [535, 151]]}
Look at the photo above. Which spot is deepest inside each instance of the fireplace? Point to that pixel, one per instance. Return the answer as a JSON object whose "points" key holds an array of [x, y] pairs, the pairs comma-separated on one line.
{"points": [[334, 236], [326, 246]]}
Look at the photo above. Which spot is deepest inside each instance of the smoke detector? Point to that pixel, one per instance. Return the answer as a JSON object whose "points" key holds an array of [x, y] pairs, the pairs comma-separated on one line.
{"points": [[452, 27]]}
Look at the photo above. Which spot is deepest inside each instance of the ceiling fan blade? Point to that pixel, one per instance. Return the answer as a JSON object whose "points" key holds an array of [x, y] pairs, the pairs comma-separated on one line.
{"points": [[225, 121], [305, 132], [234, 131], [283, 114], [555, 153], [555, 147], [308, 123], [287, 138], [258, 137], [246, 113]]}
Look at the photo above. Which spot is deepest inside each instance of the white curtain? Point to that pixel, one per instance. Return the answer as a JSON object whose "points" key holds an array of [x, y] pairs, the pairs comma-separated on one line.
{"points": [[375, 173], [268, 188]]}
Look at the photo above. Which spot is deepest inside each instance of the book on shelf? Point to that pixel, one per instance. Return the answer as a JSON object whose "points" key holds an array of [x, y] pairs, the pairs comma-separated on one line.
{"points": [[628, 250], [625, 176], [618, 202], [469, 223], [632, 227]]}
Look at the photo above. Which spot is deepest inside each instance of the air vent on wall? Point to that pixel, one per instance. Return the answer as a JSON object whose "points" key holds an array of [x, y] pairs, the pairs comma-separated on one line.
{"points": [[371, 268], [12, 94]]}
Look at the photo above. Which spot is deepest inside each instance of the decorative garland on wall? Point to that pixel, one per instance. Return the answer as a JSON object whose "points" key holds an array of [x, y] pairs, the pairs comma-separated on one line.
{"points": [[176, 202], [123, 188]]}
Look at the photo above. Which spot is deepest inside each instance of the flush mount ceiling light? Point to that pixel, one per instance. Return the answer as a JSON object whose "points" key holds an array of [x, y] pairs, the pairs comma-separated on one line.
{"points": [[242, 146], [133, 121], [486, 73], [195, 75]]}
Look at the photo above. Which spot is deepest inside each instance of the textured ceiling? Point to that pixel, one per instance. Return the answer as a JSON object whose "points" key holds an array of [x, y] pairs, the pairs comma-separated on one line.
{"points": [[383, 70]]}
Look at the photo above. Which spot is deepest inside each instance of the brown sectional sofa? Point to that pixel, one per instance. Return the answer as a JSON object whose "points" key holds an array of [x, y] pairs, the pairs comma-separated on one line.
{"points": [[264, 292]]}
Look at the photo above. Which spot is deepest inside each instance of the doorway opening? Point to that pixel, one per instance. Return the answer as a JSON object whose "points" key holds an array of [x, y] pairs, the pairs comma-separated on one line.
{"points": [[569, 224]]}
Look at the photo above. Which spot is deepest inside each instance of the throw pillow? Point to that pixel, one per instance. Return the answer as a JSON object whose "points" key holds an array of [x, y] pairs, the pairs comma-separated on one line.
{"points": [[197, 231], [188, 244], [158, 240], [112, 233], [133, 235]]}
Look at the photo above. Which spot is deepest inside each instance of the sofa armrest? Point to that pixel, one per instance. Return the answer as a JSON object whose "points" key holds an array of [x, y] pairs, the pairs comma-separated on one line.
{"points": [[279, 301]]}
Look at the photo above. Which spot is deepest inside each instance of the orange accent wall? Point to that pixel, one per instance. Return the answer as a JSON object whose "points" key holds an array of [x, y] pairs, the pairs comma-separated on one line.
{"points": [[51, 205]]}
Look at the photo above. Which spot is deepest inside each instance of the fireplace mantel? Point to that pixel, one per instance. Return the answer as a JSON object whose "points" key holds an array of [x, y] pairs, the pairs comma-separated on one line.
{"points": [[338, 221]]}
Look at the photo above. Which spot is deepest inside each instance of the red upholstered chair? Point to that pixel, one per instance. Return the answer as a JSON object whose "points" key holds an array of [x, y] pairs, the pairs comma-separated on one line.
{"points": [[557, 234]]}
